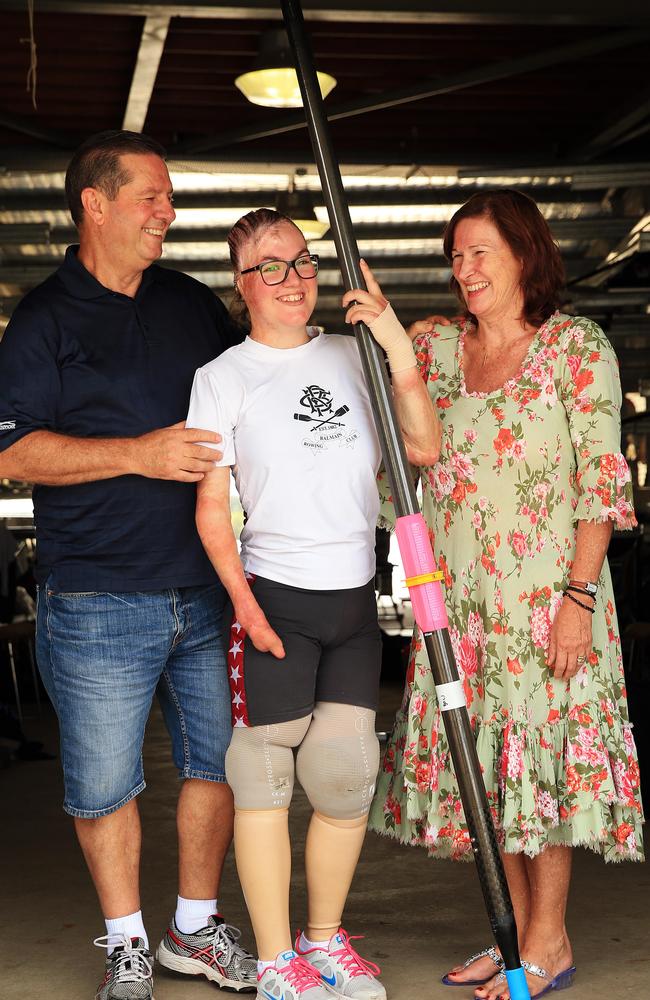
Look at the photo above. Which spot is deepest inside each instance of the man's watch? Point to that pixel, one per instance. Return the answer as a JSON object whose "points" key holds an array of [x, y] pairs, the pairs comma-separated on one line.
{"points": [[587, 585]]}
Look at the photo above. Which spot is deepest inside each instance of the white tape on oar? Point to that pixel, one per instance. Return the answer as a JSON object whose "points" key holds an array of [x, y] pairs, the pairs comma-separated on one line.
{"points": [[450, 696]]}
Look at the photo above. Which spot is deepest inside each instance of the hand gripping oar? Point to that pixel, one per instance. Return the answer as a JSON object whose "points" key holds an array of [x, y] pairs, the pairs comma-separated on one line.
{"points": [[423, 580]]}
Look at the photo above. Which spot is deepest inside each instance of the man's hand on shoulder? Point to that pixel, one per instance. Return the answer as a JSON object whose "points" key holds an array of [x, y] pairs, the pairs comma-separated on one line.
{"points": [[174, 453]]}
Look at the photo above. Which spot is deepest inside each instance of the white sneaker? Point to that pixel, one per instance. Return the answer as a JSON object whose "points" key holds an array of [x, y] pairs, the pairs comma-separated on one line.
{"points": [[289, 978], [343, 970], [213, 951]]}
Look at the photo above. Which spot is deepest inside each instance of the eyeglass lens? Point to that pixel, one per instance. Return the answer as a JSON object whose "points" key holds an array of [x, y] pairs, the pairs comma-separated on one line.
{"points": [[274, 272]]}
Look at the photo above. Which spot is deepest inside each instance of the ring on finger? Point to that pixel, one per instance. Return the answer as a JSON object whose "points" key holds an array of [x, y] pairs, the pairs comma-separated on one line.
{"points": [[580, 659]]}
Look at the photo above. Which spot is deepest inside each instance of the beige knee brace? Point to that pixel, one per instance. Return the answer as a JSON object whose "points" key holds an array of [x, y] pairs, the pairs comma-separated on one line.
{"points": [[338, 760], [259, 764]]}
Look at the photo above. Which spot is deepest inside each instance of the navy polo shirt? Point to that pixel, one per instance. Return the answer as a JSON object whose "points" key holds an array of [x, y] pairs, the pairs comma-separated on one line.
{"points": [[81, 360]]}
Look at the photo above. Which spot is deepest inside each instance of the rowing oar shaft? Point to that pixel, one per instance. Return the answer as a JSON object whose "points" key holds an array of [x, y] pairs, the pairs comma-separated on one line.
{"points": [[415, 548]]}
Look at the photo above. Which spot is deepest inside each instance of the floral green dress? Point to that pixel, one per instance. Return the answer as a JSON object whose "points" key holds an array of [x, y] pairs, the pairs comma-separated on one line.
{"points": [[518, 468]]}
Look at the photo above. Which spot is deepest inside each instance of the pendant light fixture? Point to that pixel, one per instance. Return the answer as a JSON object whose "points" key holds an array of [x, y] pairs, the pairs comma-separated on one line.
{"points": [[298, 205], [272, 81]]}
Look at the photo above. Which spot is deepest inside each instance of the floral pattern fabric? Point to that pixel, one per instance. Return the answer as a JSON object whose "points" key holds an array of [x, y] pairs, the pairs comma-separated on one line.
{"points": [[518, 468]]}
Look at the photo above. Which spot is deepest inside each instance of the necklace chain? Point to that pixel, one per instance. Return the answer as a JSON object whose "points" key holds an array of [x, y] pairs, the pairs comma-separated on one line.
{"points": [[499, 351]]}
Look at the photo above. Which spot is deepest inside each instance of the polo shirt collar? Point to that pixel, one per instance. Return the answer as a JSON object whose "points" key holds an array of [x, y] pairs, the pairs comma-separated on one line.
{"points": [[83, 285]]}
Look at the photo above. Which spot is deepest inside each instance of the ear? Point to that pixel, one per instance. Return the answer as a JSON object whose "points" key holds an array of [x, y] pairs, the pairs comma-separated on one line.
{"points": [[92, 200]]}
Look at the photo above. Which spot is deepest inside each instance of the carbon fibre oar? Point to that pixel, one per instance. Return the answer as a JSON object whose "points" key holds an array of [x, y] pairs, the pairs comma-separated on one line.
{"points": [[423, 580]]}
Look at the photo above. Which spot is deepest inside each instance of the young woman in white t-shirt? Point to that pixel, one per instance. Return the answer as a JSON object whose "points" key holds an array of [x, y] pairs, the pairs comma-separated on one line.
{"points": [[305, 651]]}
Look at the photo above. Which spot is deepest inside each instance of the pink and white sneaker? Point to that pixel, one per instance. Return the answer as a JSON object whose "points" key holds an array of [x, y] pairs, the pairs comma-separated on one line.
{"points": [[291, 978], [343, 970]]}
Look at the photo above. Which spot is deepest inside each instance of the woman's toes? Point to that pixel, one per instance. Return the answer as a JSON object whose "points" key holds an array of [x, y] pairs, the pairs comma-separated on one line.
{"points": [[480, 969], [490, 990], [460, 975]]}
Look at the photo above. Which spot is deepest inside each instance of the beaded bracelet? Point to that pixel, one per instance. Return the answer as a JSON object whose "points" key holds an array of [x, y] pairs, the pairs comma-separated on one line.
{"points": [[578, 590], [579, 603]]}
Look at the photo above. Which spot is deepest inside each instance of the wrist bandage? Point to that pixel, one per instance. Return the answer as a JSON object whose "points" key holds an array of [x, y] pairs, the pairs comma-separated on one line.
{"points": [[391, 335]]}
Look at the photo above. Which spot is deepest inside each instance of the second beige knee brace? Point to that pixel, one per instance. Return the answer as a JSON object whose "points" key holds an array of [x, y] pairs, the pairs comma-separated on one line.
{"points": [[338, 760]]}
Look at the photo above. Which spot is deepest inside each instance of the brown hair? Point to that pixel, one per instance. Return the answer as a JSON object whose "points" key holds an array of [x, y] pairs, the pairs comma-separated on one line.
{"points": [[96, 164], [525, 230], [251, 226]]}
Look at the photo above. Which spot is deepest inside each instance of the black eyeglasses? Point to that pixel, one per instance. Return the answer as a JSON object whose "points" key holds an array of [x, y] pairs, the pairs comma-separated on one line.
{"points": [[274, 272]]}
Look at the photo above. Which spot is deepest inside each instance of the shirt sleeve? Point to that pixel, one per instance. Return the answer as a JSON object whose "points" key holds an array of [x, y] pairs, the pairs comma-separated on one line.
{"points": [[591, 393], [215, 402], [425, 355], [30, 381]]}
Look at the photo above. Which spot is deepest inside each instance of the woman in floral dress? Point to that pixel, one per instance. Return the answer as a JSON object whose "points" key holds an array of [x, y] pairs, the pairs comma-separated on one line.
{"points": [[521, 505]]}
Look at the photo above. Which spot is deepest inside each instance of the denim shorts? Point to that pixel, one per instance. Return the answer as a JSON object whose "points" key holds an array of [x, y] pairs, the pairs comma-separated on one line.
{"points": [[103, 656]]}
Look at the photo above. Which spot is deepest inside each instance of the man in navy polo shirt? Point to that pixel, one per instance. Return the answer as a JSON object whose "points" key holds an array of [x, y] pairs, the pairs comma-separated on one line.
{"points": [[96, 368]]}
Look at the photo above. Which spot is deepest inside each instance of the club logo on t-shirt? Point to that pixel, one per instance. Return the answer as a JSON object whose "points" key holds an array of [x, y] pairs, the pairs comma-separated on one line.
{"points": [[327, 429]]}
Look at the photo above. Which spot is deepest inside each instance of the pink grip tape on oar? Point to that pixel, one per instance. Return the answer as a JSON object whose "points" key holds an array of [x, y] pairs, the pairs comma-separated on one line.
{"points": [[417, 557]]}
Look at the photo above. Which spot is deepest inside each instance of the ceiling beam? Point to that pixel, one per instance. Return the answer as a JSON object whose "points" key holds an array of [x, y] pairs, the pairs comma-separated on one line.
{"points": [[612, 227], [473, 164], [636, 132], [422, 298], [25, 274], [587, 175], [152, 43], [27, 126], [560, 12], [432, 87], [621, 125], [21, 200]]}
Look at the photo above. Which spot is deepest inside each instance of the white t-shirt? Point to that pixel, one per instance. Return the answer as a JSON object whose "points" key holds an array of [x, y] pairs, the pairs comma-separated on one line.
{"points": [[297, 426]]}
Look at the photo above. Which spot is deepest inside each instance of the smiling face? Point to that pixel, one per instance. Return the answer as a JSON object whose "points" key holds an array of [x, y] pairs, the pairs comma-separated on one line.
{"points": [[487, 271], [279, 313], [135, 223]]}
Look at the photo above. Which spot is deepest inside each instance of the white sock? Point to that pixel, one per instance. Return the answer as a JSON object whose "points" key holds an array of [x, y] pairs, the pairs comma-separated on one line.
{"points": [[193, 914], [305, 944], [263, 966], [130, 926]]}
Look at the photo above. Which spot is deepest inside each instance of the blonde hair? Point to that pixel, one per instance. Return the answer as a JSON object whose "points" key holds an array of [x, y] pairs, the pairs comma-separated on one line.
{"points": [[251, 226]]}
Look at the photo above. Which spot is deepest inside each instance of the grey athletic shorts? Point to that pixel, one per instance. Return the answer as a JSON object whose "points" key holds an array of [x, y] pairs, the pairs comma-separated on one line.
{"points": [[333, 653]]}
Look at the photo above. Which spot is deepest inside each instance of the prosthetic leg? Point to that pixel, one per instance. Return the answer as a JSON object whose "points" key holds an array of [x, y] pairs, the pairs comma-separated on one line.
{"points": [[331, 855], [337, 765], [260, 771], [263, 855]]}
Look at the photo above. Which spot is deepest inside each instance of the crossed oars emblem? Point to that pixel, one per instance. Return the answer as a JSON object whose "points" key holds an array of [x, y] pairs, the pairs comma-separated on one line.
{"points": [[319, 423]]}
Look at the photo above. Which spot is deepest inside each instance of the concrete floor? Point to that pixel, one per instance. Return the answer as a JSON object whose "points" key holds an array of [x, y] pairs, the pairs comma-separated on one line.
{"points": [[419, 916]]}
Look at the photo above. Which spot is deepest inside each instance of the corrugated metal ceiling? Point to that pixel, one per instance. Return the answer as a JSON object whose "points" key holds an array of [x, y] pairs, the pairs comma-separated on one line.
{"points": [[553, 98]]}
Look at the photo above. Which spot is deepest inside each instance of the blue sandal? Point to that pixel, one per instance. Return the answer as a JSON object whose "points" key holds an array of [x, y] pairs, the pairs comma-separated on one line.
{"points": [[560, 982]]}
